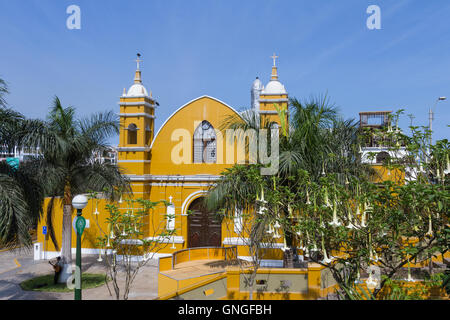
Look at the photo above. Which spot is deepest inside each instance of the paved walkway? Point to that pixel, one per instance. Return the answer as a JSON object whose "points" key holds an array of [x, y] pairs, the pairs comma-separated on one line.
{"points": [[18, 265]]}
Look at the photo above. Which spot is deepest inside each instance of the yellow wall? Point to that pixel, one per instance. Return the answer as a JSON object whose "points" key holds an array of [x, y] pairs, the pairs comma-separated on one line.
{"points": [[309, 283], [188, 118], [89, 237]]}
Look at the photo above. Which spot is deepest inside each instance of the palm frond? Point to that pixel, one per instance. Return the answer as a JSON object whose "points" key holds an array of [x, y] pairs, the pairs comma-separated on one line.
{"points": [[15, 222], [3, 92]]}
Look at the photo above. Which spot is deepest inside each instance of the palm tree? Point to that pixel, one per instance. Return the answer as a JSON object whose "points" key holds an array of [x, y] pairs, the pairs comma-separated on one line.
{"points": [[321, 141], [67, 166], [21, 196], [21, 200], [317, 141], [3, 92]]}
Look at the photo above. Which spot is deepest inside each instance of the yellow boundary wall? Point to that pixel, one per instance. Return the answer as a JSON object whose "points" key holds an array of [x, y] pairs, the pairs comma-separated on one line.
{"points": [[307, 284]]}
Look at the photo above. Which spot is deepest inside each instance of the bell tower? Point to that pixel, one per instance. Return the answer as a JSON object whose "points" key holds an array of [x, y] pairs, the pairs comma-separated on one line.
{"points": [[137, 123], [272, 97]]}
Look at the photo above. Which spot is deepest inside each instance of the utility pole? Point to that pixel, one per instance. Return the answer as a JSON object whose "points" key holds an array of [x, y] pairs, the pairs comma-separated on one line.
{"points": [[430, 119]]}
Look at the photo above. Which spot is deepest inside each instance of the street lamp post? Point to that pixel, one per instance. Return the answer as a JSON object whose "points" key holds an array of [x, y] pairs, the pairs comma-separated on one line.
{"points": [[79, 202], [430, 118]]}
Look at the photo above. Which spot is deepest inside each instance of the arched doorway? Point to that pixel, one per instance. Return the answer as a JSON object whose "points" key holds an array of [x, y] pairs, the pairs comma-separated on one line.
{"points": [[204, 229]]}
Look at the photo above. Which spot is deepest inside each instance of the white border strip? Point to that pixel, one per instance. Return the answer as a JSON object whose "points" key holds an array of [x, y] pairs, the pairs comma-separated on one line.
{"points": [[189, 199], [129, 115], [145, 103]]}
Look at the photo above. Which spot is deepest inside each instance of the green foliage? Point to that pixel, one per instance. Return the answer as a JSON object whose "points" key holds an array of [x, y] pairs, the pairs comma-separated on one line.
{"points": [[127, 242], [327, 201], [125, 229], [45, 283], [21, 200], [356, 292], [21, 194], [446, 280]]}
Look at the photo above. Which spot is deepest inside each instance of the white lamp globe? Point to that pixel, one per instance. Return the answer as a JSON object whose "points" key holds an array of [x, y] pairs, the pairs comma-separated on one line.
{"points": [[79, 202]]}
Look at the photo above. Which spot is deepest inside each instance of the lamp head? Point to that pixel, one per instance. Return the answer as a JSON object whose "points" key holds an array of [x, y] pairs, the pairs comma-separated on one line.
{"points": [[442, 98], [79, 202]]}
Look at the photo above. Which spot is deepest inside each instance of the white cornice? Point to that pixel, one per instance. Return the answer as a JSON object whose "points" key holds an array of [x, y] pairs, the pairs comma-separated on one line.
{"points": [[137, 96], [127, 149], [136, 115], [273, 100], [198, 177], [133, 161], [137, 103], [267, 112], [273, 94], [238, 241], [172, 239], [173, 178]]}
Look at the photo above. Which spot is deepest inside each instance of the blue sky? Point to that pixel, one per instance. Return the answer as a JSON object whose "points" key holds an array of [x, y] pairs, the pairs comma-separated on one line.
{"points": [[191, 48]]}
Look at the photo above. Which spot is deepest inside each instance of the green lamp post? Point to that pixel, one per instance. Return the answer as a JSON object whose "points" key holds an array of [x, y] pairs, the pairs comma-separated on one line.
{"points": [[79, 202]]}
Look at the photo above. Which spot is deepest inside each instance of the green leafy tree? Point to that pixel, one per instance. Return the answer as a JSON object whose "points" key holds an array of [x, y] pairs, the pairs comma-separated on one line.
{"points": [[245, 211], [21, 195], [352, 226], [126, 243], [316, 140], [67, 165]]}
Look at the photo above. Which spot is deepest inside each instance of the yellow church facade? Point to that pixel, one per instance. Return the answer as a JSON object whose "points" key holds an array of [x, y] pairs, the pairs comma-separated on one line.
{"points": [[177, 164]]}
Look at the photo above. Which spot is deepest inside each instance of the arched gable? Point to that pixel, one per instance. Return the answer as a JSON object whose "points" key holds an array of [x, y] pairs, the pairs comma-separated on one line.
{"points": [[179, 128]]}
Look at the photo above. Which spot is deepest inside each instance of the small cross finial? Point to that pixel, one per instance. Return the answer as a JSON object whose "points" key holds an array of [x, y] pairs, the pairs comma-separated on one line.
{"points": [[138, 60], [274, 57], [170, 199]]}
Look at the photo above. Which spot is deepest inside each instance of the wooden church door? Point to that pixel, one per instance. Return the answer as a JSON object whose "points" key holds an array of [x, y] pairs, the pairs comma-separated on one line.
{"points": [[204, 229]]}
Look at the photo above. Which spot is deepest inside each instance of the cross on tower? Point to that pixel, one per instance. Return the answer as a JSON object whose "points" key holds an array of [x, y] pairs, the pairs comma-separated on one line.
{"points": [[274, 57], [138, 60], [170, 199]]}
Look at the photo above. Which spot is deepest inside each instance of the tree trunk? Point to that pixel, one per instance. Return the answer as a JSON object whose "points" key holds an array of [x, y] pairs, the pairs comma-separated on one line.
{"points": [[288, 258], [288, 254], [66, 252]]}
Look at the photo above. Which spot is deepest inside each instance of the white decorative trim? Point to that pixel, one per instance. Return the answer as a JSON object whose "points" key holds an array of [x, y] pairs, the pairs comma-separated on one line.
{"points": [[265, 263], [274, 100], [189, 199], [154, 257], [366, 153], [198, 177], [237, 241], [204, 96], [173, 239], [131, 241], [133, 161], [275, 245], [128, 149], [180, 184], [273, 94], [145, 103], [136, 115], [268, 112], [46, 255], [133, 97], [179, 179]]}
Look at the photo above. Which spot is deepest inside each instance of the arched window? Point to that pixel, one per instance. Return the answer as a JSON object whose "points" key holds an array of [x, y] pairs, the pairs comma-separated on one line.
{"points": [[205, 144], [132, 134]]}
